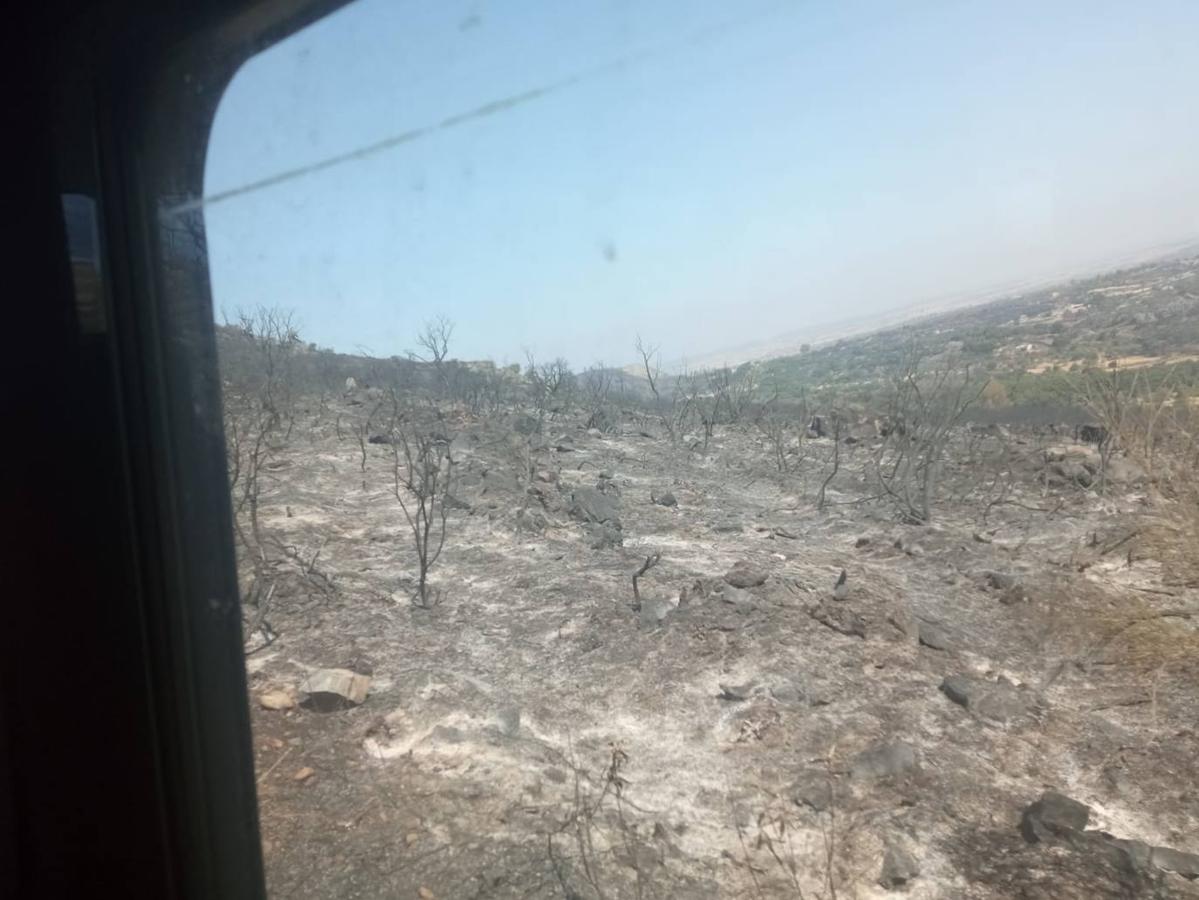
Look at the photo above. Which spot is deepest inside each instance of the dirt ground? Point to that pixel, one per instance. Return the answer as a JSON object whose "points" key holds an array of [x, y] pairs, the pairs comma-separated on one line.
{"points": [[533, 735]]}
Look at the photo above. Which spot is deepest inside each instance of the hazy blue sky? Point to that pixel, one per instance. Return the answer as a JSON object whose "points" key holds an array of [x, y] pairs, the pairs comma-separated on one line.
{"points": [[719, 172]]}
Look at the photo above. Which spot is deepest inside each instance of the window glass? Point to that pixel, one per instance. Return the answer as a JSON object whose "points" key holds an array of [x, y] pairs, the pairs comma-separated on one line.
{"points": [[708, 450]]}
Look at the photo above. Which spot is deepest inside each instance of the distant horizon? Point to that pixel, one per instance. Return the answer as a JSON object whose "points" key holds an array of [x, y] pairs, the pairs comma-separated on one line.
{"points": [[562, 179], [741, 354]]}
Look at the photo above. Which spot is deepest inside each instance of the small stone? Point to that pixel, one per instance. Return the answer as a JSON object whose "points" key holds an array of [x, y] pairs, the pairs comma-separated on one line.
{"points": [[899, 867], [744, 574], [447, 734], [334, 689], [861, 542], [303, 774], [933, 636], [998, 701], [736, 691], [958, 688], [411, 838], [509, 721], [884, 760], [839, 618], [813, 790], [1013, 595], [666, 498], [276, 700], [1053, 815], [425, 893], [841, 587], [735, 595], [1000, 581]]}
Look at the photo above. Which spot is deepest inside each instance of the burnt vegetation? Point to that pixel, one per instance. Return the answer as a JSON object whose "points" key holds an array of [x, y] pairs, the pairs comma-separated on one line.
{"points": [[883, 593]]}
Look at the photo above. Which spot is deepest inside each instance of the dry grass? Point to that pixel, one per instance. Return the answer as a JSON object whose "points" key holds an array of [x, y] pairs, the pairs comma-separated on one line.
{"points": [[1145, 639]]}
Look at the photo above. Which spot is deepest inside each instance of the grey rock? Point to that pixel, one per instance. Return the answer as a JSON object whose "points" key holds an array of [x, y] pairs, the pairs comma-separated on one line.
{"points": [[841, 587], [934, 636], [1017, 593], [997, 701], [735, 595], [329, 690], [447, 734], [884, 760], [744, 574], [666, 498], [508, 719], [736, 691], [595, 433], [591, 505], [728, 526], [1000, 705], [1185, 864], [959, 688], [814, 790], [1000, 581], [839, 618], [1052, 816], [899, 867], [1138, 853], [820, 696]]}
